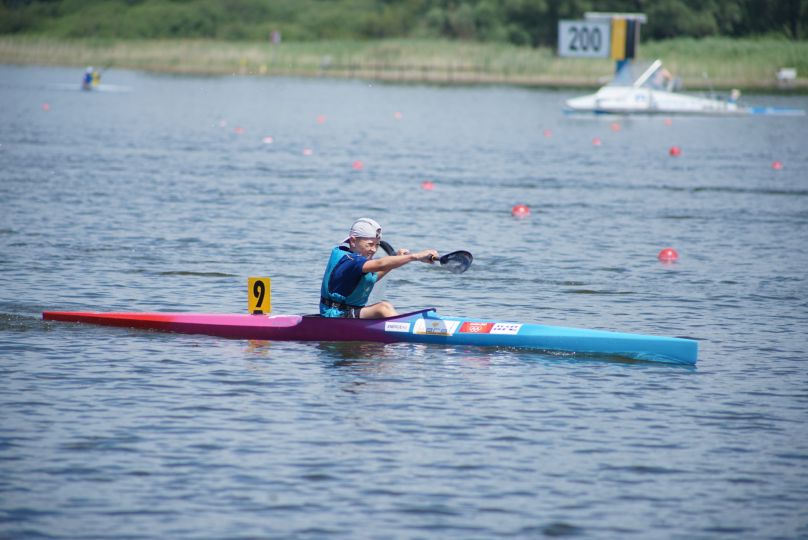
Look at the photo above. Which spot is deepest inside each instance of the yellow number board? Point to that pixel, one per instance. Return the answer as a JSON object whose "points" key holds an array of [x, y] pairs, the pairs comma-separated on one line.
{"points": [[259, 295]]}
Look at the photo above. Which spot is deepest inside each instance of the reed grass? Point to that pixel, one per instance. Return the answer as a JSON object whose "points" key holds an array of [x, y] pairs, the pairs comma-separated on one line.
{"points": [[746, 64]]}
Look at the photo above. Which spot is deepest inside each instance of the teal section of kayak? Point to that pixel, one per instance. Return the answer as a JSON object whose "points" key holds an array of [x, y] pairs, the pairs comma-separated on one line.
{"points": [[429, 327]]}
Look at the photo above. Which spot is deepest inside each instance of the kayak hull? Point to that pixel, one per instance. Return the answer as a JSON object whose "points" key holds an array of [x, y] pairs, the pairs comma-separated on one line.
{"points": [[424, 326]]}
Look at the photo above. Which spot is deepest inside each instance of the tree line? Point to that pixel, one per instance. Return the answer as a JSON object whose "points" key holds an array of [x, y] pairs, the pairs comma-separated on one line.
{"points": [[521, 22]]}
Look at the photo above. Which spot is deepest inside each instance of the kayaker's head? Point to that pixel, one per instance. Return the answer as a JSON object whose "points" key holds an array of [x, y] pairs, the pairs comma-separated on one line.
{"points": [[364, 237]]}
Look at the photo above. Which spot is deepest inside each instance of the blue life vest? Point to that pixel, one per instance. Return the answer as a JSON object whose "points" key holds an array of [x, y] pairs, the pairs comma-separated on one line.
{"points": [[358, 297]]}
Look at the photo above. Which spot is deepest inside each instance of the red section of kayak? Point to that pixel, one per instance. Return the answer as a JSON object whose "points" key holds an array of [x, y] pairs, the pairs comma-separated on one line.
{"points": [[223, 325]]}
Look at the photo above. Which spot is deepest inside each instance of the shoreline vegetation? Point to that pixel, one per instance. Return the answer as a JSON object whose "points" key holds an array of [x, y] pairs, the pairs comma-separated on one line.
{"points": [[703, 64]]}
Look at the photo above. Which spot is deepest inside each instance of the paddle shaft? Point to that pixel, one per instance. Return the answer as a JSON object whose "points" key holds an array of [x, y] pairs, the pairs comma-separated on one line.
{"points": [[457, 261]]}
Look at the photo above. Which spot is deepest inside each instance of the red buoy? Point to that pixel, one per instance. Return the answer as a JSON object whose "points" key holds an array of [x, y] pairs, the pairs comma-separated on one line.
{"points": [[675, 151], [397, 115], [321, 119], [238, 130], [307, 151], [668, 255], [777, 165], [596, 141], [357, 165], [615, 127], [668, 122], [428, 185], [267, 140], [45, 107], [520, 211], [548, 133]]}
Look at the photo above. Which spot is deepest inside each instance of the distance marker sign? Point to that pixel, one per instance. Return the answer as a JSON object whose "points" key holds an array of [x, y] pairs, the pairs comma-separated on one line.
{"points": [[584, 39]]}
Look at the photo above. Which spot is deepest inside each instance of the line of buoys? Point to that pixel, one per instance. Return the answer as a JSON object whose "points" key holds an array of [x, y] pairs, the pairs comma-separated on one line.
{"points": [[520, 211], [675, 151], [668, 255]]}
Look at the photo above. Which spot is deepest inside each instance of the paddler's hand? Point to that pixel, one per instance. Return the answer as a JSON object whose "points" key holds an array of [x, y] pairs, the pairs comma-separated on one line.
{"points": [[427, 256]]}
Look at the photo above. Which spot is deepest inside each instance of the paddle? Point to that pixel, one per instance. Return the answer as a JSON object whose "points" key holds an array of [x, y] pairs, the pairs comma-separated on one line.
{"points": [[455, 262]]}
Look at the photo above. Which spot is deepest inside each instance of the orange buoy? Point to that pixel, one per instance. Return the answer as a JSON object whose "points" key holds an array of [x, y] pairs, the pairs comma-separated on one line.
{"points": [[675, 151], [520, 211], [668, 255]]}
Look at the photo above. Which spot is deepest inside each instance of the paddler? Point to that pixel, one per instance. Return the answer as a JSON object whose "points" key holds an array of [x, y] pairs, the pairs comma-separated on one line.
{"points": [[352, 272], [87, 80]]}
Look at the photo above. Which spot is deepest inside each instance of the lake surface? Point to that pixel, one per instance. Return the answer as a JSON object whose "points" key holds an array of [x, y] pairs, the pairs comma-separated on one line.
{"points": [[163, 193]]}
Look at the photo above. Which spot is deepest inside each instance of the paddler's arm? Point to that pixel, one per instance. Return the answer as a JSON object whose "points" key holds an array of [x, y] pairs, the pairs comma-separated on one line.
{"points": [[385, 264]]}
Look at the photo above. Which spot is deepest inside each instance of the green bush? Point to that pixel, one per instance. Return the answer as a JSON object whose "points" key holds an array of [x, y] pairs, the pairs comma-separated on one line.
{"points": [[519, 22]]}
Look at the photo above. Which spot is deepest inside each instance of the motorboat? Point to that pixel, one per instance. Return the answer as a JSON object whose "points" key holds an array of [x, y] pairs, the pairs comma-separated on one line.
{"points": [[649, 88]]}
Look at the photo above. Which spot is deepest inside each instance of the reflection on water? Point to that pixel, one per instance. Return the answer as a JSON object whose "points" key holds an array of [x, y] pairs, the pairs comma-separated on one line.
{"points": [[353, 353]]}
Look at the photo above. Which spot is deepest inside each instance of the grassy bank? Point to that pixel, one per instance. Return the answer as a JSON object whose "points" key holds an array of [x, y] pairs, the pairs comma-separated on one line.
{"points": [[745, 64]]}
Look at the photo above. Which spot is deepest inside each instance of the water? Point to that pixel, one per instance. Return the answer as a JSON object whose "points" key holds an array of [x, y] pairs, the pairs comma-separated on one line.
{"points": [[146, 198]]}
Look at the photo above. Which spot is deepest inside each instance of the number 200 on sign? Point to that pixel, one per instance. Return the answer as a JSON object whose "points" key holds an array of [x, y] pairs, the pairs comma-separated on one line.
{"points": [[584, 39]]}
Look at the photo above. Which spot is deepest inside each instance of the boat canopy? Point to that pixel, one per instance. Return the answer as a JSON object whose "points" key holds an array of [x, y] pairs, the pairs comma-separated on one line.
{"points": [[650, 75]]}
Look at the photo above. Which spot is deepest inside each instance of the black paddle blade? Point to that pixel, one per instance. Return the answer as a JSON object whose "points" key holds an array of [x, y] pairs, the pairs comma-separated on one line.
{"points": [[457, 262], [385, 245]]}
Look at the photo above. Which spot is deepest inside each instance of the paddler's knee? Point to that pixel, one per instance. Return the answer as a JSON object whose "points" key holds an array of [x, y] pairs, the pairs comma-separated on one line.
{"points": [[387, 309], [378, 310]]}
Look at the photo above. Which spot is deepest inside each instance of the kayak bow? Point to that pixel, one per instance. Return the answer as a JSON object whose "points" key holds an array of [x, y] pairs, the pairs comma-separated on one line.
{"points": [[424, 326]]}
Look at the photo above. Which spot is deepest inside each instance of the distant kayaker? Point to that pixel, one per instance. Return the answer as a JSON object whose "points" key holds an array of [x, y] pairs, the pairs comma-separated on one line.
{"points": [[87, 80], [352, 272]]}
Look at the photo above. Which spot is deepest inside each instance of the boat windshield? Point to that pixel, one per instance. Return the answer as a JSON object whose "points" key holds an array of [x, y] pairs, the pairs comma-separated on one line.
{"points": [[644, 75]]}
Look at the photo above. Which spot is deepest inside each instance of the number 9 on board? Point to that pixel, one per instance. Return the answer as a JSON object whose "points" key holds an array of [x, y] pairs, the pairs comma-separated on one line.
{"points": [[258, 295]]}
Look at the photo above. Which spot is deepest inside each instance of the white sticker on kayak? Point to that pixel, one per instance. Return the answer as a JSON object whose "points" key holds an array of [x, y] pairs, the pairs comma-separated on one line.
{"points": [[435, 327], [392, 326], [506, 328]]}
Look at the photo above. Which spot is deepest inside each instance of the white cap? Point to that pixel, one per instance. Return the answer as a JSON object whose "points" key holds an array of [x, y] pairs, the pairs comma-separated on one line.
{"points": [[365, 228]]}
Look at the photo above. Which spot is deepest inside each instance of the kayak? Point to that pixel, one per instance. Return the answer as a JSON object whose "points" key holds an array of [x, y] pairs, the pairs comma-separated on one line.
{"points": [[423, 326]]}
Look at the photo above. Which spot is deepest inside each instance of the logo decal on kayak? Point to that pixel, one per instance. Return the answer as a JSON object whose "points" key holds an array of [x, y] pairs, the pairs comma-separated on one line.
{"points": [[476, 327], [510, 329], [433, 327], [392, 326]]}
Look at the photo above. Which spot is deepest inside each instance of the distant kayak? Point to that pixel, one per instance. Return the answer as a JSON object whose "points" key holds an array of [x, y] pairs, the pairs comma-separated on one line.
{"points": [[424, 326], [112, 88]]}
